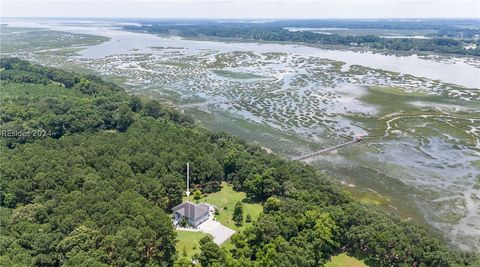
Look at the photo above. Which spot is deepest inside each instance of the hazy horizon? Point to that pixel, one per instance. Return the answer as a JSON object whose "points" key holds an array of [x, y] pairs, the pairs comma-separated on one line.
{"points": [[243, 9], [245, 18]]}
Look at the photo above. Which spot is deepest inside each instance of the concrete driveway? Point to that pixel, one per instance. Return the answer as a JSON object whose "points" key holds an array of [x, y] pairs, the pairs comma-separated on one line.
{"points": [[219, 232]]}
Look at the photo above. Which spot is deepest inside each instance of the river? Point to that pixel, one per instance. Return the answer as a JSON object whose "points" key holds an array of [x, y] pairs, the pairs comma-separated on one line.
{"points": [[452, 71]]}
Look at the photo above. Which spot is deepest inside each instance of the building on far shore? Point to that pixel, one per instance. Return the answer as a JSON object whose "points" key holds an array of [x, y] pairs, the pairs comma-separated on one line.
{"points": [[195, 214]]}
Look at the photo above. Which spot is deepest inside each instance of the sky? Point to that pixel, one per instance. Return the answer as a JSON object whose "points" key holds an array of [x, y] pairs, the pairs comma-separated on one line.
{"points": [[241, 9]]}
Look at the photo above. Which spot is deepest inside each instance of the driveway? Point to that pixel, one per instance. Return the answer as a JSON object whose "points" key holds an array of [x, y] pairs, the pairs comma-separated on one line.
{"points": [[219, 232]]}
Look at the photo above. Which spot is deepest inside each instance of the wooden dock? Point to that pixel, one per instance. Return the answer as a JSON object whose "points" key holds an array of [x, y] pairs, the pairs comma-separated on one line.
{"points": [[325, 150]]}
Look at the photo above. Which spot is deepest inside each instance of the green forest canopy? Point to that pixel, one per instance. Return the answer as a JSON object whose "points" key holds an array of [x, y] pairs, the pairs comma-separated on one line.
{"points": [[89, 175]]}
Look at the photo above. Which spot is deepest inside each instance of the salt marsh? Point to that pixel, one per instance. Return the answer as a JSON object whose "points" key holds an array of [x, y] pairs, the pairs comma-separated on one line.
{"points": [[420, 115]]}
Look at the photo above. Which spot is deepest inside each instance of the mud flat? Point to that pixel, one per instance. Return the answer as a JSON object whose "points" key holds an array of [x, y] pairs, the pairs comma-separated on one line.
{"points": [[421, 155]]}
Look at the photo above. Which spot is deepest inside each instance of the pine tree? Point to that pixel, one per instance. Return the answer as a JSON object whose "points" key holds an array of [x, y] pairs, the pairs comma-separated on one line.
{"points": [[238, 214]]}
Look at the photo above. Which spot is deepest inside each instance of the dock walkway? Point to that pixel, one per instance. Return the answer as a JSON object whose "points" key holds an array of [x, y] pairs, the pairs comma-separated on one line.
{"points": [[316, 153]]}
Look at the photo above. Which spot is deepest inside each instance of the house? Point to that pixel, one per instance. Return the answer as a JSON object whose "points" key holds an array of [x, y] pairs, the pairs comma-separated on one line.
{"points": [[194, 213]]}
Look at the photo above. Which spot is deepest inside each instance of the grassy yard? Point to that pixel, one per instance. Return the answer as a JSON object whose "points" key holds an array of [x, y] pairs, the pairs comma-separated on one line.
{"points": [[188, 241], [343, 260], [227, 197]]}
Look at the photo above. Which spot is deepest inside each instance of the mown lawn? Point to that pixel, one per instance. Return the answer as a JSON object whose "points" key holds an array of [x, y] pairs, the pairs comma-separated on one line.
{"points": [[343, 260], [227, 197], [188, 241]]}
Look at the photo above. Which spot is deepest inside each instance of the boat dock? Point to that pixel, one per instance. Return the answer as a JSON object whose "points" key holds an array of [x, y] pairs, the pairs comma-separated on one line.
{"points": [[356, 139]]}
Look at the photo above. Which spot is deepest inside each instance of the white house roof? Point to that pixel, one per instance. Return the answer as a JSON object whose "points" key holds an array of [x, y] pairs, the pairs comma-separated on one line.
{"points": [[191, 210]]}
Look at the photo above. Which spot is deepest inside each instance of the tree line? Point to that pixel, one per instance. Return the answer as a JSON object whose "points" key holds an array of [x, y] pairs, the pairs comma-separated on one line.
{"points": [[446, 40], [99, 190]]}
